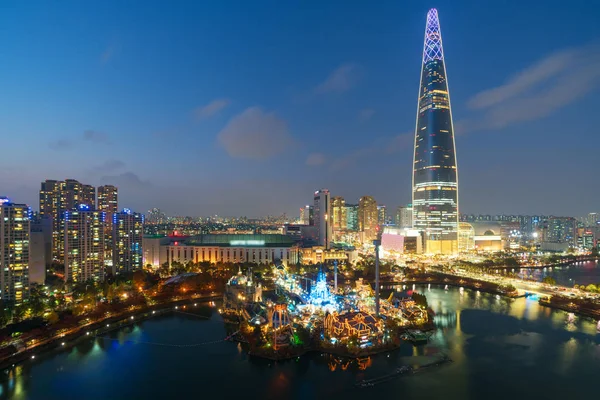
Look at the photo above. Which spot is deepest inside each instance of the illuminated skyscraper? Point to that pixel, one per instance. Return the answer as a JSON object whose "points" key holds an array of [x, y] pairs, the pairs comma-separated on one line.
{"points": [[108, 202], [128, 230], [367, 218], [56, 197], [14, 251], [435, 177], [351, 217], [404, 217], [84, 244], [382, 214], [338, 213], [107, 199], [322, 218]]}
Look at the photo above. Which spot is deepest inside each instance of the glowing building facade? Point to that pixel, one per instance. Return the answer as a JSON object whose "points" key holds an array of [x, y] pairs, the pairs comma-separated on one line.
{"points": [[338, 213], [108, 202], [322, 217], [368, 218], [84, 244], [14, 251], [127, 235], [435, 178]]}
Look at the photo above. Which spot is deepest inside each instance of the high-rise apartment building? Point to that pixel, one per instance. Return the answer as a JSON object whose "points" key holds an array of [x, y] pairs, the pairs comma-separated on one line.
{"points": [[128, 231], [352, 217], [108, 199], [435, 178], [40, 248], [78, 193], [322, 219], [108, 202], [404, 217], [57, 197], [368, 218], [338, 213], [52, 206], [84, 244], [561, 230], [306, 215], [14, 251], [592, 219], [381, 214]]}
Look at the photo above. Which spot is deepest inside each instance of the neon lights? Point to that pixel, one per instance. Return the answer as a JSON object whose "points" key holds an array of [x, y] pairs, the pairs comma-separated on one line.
{"points": [[433, 38], [247, 243]]}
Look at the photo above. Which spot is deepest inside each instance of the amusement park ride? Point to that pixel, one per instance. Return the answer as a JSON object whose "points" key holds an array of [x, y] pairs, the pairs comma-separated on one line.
{"points": [[300, 301]]}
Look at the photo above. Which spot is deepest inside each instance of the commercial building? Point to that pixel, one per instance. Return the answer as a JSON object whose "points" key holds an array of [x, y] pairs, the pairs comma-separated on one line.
{"points": [[306, 234], [322, 219], [319, 254], [403, 241], [435, 178], [368, 218], [127, 247], [260, 249], [352, 217], [381, 215], [84, 244], [487, 236], [14, 251], [404, 217], [338, 213]]}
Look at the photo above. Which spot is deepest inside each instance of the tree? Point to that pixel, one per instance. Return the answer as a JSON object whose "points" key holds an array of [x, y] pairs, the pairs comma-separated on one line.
{"points": [[548, 280], [420, 299], [595, 251], [591, 288], [52, 317]]}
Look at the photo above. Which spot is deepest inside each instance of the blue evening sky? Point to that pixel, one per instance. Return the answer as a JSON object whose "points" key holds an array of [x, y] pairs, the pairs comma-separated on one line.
{"points": [[247, 107]]}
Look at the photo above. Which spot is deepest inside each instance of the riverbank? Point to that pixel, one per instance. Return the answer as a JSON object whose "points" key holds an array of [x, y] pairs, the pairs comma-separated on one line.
{"points": [[438, 278], [553, 265], [581, 307], [78, 333]]}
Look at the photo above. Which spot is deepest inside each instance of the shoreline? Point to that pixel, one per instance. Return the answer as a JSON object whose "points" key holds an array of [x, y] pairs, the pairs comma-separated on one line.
{"points": [[560, 264], [64, 341], [595, 315]]}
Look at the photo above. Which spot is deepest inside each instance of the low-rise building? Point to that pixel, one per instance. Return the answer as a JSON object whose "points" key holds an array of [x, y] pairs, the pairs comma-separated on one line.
{"points": [[259, 249]]}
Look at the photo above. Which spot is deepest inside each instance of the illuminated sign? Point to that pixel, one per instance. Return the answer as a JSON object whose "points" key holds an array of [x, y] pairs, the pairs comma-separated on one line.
{"points": [[4, 200], [247, 243]]}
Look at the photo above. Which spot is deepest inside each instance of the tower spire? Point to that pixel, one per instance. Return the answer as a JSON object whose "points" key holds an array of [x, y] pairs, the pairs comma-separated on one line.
{"points": [[432, 50]]}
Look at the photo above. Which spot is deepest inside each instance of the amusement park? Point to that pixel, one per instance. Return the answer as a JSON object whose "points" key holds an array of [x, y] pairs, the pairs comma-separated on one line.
{"points": [[302, 314]]}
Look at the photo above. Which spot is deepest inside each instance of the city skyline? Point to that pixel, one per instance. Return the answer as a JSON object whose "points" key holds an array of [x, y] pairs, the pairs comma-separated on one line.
{"points": [[340, 118]]}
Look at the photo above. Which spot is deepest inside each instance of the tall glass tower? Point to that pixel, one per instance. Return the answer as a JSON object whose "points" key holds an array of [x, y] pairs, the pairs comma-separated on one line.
{"points": [[435, 177]]}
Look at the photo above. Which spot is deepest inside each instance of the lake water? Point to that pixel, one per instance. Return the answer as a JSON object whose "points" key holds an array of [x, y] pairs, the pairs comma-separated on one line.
{"points": [[501, 349], [580, 273]]}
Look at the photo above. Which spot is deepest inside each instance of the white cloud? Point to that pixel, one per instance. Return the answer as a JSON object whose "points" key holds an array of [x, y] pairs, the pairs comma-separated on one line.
{"points": [[340, 80], [211, 108], [539, 90], [380, 147], [96, 137], [365, 114], [254, 134], [61, 144], [315, 159]]}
